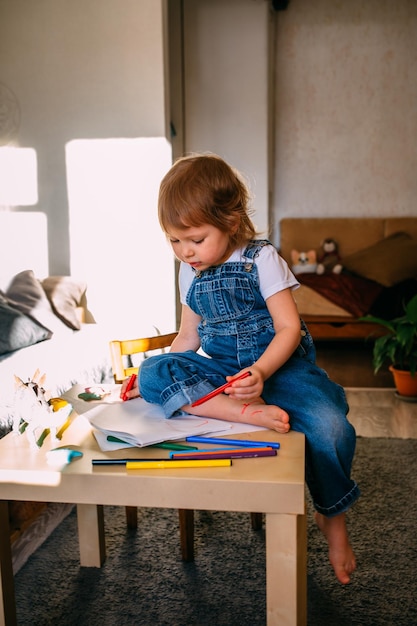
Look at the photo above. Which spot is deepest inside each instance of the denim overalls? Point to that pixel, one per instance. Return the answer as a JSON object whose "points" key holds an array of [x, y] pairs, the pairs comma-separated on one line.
{"points": [[235, 330]]}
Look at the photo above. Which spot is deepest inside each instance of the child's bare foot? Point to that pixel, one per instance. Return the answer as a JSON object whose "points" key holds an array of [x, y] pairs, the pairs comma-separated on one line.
{"points": [[268, 415], [255, 412], [341, 554]]}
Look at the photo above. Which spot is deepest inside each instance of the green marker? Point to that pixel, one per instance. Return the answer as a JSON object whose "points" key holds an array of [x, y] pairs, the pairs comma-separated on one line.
{"points": [[117, 440], [165, 445]]}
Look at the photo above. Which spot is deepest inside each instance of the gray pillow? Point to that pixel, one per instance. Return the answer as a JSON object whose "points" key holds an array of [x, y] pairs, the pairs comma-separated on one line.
{"points": [[18, 330], [26, 294]]}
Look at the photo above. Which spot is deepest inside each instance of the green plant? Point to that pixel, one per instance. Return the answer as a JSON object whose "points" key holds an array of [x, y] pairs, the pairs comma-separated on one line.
{"points": [[399, 345]]}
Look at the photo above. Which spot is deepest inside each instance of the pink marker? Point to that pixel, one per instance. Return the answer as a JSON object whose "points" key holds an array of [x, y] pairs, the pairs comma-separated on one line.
{"points": [[219, 390]]}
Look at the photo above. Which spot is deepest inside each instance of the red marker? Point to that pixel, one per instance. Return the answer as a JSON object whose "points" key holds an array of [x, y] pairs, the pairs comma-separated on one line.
{"points": [[130, 384], [219, 390]]}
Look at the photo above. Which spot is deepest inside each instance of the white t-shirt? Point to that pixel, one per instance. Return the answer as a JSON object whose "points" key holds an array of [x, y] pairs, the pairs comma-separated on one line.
{"points": [[274, 273]]}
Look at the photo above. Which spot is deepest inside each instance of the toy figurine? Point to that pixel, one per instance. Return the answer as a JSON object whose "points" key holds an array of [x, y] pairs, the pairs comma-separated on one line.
{"points": [[329, 258], [34, 412]]}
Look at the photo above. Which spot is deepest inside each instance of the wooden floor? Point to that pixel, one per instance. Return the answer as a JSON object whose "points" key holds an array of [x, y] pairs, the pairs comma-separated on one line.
{"points": [[381, 413]]}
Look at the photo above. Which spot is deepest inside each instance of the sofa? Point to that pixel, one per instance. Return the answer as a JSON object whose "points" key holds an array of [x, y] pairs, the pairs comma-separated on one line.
{"points": [[379, 272], [45, 325]]}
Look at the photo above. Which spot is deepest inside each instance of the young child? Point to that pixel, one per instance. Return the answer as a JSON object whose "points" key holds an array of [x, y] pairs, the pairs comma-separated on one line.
{"points": [[237, 305]]}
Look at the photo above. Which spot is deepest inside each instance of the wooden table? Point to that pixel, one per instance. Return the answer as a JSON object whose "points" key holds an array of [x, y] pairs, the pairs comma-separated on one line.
{"points": [[272, 485]]}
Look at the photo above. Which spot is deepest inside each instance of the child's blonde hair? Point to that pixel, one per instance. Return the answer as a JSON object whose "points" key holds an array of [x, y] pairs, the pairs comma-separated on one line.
{"points": [[203, 189]]}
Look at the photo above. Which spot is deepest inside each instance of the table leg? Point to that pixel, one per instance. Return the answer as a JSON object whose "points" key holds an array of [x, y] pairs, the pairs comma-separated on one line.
{"points": [[7, 596], [91, 538], [286, 569]]}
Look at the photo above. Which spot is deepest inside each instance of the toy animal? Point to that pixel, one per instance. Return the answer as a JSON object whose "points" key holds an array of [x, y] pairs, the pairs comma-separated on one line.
{"points": [[33, 412], [328, 258], [303, 262]]}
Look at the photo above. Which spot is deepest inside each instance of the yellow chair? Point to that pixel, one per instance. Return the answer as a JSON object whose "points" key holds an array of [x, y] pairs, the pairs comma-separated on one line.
{"points": [[123, 355], [122, 352]]}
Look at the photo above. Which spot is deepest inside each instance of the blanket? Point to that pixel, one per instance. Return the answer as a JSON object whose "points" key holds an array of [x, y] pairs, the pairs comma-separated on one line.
{"points": [[352, 293]]}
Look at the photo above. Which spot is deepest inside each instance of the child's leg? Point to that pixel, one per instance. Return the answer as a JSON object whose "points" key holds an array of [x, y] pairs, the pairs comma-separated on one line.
{"points": [[175, 380], [318, 408]]}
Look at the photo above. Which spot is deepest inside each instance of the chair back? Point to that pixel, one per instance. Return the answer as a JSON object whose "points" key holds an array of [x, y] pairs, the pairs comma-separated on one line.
{"points": [[122, 353]]}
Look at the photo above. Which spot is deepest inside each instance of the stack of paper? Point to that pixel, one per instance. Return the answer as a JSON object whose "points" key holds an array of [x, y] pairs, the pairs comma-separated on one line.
{"points": [[139, 423]]}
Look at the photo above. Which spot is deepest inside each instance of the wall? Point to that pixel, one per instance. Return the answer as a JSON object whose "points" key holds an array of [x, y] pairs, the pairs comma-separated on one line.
{"points": [[345, 111], [226, 88], [344, 127], [86, 70]]}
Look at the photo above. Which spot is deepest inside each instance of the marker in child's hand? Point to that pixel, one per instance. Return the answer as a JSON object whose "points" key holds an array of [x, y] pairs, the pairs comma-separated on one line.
{"points": [[130, 384], [219, 390]]}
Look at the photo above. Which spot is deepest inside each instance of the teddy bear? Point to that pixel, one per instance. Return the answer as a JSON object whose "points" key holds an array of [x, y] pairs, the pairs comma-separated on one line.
{"points": [[328, 258], [303, 262]]}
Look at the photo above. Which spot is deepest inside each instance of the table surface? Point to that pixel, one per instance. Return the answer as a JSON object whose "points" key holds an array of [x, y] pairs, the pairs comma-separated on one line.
{"points": [[270, 484]]}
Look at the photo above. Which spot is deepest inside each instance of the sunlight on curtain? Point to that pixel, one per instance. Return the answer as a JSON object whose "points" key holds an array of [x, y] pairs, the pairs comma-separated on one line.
{"points": [[116, 243]]}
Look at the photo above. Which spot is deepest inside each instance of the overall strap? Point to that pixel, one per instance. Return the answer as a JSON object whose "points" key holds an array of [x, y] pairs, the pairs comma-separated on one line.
{"points": [[252, 250]]}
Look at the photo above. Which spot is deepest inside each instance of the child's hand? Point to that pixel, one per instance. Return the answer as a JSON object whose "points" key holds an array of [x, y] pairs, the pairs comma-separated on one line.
{"points": [[248, 388], [132, 393]]}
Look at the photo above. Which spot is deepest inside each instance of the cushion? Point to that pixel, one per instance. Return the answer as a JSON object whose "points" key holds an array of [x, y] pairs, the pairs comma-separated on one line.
{"points": [[25, 293], [65, 295], [388, 262], [17, 330]]}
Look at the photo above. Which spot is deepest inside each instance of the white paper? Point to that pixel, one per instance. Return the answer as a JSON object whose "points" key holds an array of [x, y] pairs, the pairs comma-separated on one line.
{"points": [[139, 423]]}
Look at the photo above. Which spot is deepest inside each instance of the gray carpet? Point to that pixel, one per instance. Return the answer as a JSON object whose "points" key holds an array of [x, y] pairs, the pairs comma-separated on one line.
{"points": [[144, 582]]}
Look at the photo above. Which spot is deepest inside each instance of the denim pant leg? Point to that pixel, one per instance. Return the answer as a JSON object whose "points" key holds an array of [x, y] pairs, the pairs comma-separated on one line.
{"points": [[178, 378], [317, 407]]}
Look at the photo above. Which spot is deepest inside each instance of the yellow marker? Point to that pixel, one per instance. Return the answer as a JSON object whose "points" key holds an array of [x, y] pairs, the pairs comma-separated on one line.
{"points": [[134, 465]]}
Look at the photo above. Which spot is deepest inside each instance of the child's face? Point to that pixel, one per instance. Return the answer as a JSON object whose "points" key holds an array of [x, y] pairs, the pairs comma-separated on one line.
{"points": [[200, 246]]}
